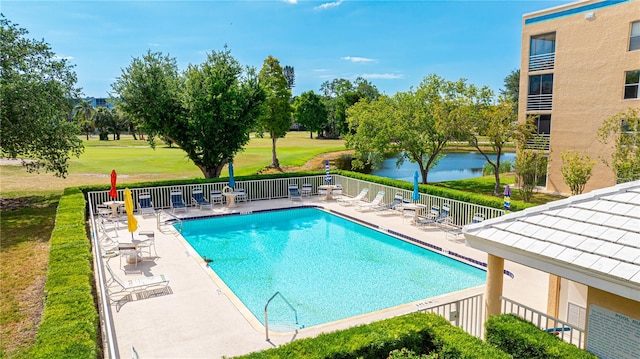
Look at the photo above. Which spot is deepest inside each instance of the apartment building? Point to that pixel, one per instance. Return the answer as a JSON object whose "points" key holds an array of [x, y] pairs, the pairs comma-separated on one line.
{"points": [[580, 64]]}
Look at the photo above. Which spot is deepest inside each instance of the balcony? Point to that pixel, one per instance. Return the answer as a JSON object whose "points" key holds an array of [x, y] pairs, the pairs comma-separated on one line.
{"points": [[540, 102], [539, 142], [542, 61]]}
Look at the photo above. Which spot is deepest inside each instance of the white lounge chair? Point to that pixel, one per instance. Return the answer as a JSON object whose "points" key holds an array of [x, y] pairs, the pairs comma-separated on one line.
{"points": [[294, 193], [347, 201], [376, 203], [134, 285]]}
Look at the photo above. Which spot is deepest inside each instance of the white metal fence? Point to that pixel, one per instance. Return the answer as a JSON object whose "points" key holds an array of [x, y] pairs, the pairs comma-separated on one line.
{"points": [[466, 313], [461, 213], [565, 331]]}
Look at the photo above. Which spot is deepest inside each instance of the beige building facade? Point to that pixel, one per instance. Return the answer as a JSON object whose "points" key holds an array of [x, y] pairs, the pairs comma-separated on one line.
{"points": [[580, 64]]}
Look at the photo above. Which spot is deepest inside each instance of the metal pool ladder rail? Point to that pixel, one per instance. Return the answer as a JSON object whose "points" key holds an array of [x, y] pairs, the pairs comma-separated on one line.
{"points": [[173, 217], [266, 313]]}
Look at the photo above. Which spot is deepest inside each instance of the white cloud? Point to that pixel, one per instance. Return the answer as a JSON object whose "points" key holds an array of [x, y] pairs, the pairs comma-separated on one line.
{"points": [[358, 59], [57, 57], [291, 1], [154, 44], [382, 76], [328, 5], [320, 70]]}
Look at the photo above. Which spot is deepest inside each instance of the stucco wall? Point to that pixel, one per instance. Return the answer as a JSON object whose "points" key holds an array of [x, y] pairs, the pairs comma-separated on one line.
{"points": [[591, 59]]}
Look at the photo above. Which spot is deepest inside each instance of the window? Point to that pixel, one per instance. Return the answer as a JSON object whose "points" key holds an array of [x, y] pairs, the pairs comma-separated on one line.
{"points": [[631, 84], [543, 124], [542, 44], [634, 37], [629, 132], [541, 84]]}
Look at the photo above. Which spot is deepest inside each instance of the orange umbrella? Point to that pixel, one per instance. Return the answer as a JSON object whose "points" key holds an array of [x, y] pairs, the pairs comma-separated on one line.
{"points": [[132, 222], [113, 193]]}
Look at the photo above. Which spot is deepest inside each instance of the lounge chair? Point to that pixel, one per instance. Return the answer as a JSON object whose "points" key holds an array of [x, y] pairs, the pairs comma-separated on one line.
{"points": [[430, 217], [347, 201], [134, 285], [177, 202], [197, 196], [376, 203], [395, 205], [477, 218], [307, 188], [145, 205], [241, 195], [444, 219], [294, 193]]}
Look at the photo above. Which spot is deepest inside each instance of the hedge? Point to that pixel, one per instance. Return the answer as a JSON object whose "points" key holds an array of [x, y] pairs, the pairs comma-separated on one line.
{"points": [[523, 340], [69, 327], [420, 333]]}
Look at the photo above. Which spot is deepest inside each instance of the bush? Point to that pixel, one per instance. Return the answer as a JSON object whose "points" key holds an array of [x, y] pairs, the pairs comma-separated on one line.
{"points": [[522, 339], [505, 167], [416, 334]]}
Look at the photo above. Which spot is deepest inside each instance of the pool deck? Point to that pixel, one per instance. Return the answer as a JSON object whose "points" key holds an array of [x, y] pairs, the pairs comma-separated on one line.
{"points": [[197, 316]]}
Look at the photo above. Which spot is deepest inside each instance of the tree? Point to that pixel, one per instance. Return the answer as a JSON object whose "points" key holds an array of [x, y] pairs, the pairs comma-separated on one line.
{"points": [[339, 95], [495, 123], [531, 166], [413, 126], [276, 114], [208, 112], [623, 129], [290, 75], [103, 119], [512, 88], [35, 91], [310, 112], [83, 114], [576, 170]]}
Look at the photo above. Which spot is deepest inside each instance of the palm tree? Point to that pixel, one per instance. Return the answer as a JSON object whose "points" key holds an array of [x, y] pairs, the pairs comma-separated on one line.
{"points": [[103, 121], [83, 114]]}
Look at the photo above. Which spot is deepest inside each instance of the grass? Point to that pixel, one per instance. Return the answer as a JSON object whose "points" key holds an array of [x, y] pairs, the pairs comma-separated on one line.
{"points": [[26, 230], [485, 185]]}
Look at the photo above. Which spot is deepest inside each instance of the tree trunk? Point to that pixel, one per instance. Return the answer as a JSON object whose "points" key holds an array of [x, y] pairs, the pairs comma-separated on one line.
{"points": [[274, 160], [311, 135], [134, 135], [87, 135], [211, 172]]}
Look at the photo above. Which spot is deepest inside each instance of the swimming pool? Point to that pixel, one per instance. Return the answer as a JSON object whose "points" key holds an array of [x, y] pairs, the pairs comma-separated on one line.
{"points": [[327, 267]]}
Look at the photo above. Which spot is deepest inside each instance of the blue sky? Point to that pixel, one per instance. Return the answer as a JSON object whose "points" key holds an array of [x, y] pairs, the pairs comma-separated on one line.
{"points": [[393, 44]]}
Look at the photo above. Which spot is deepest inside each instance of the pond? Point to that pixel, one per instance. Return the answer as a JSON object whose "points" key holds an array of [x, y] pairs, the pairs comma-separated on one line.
{"points": [[454, 166]]}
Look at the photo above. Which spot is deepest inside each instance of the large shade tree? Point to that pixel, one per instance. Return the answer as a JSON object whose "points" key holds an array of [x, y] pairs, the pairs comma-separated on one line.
{"points": [[208, 111], [310, 111], [36, 88], [275, 118], [414, 126]]}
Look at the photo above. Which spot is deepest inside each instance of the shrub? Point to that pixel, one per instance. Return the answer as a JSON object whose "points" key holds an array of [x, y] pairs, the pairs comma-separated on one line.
{"points": [[414, 334], [522, 339]]}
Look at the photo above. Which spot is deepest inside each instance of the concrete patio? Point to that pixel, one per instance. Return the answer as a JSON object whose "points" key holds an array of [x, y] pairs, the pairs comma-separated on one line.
{"points": [[197, 316]]}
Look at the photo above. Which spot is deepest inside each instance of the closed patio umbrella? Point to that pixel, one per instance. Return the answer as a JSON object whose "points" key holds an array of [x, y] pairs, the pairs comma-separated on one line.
{"points": [[132, 222], [113, 193], [416, 194], [326, 170], [507, 199], [232, 182]]}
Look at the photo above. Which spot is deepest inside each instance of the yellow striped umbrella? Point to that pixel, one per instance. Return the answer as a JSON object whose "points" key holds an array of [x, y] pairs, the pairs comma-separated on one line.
{"points": [[132, 222]]}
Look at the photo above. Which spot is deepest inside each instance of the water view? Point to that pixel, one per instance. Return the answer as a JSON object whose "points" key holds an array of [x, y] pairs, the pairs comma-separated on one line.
{"points": [[454, 166]]}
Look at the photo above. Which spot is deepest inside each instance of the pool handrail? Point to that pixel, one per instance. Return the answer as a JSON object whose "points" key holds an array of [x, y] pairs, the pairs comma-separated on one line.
{"points": [[266, 313]]}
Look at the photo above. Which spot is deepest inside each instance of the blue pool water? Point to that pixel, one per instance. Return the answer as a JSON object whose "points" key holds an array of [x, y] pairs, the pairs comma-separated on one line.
{"points": [[327, 267]]}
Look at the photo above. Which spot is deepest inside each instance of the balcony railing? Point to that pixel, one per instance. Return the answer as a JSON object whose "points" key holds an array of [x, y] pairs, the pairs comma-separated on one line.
{"points": [[539, 142], [539, 102], [542, 62]]}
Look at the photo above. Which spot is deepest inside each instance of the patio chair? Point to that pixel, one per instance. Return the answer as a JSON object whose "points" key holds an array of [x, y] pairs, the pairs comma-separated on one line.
{"points": [[337, 191], [106, 218], [376, 203], [444, 219], [145, 205], [395, 205], [133, 285], [347, 201], [307, 188], [177, 202], [146, 244], [430, 217], [197, 197], [241, 195], [294, 193], [477, 218], [215, 197], [323, 192]]}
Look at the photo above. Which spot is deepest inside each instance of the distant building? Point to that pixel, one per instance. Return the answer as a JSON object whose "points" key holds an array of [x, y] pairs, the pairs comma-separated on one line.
{"points": [[580, 64], [96, 102]]}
